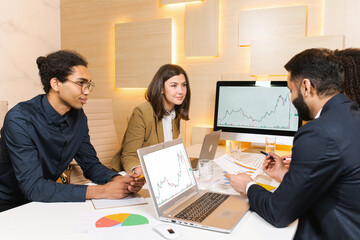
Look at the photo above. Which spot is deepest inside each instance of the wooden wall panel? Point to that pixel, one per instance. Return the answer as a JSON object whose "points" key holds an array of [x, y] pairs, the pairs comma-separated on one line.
{"points": [[272, 22], [140, 49], [164, 2], [202, 29], [348, 12], [89, 28], [268, 57]]}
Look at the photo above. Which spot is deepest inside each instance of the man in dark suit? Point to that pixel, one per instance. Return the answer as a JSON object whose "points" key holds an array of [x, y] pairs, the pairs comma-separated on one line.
{"points": [[322, 186]]}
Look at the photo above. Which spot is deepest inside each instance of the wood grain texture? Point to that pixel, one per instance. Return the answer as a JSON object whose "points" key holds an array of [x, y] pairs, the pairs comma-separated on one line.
{"points": [[88, 26], [165, 2], [268, 57], [140, 49], [272, 22], [202, 29], [342, 17]]}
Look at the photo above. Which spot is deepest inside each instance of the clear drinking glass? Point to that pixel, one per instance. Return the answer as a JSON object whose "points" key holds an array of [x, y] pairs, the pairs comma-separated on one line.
{"points": [[235, 149], [270, 144], [206, 169]]}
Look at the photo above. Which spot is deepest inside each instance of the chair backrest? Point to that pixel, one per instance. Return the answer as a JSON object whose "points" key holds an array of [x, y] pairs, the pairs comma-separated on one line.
{"points": [[102, 135], [3, 111]]}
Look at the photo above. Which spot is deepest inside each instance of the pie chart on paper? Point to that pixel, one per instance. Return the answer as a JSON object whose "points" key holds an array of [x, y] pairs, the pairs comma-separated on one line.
{"points": [[121, 219]]}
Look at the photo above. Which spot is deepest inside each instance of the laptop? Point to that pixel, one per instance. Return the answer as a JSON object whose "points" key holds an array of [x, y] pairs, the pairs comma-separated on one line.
{"points": [[174, 191], [208, 148]]}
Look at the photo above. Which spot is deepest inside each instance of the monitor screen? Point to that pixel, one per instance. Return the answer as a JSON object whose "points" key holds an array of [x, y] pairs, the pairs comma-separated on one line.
{"points": [[250, 111], [170, 172]]}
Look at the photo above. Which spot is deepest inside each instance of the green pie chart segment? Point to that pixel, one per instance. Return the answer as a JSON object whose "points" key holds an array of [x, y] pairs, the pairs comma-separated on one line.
{"points": [[135, 219], [121, 219]]}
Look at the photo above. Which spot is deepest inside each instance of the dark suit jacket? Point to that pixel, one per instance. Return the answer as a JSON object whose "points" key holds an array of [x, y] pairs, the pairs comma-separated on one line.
{"points": [[322, 186]]}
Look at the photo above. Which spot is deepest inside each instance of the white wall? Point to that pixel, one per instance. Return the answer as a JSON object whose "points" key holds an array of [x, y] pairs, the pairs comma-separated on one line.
{"points": [[28, 29]]}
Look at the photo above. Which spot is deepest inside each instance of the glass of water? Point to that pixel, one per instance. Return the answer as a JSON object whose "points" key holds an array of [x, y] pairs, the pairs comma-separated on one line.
{"points": [[270, 144], [205, 168]]}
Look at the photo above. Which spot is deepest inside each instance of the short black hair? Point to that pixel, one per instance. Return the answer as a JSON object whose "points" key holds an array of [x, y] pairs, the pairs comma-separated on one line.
{"points": [[59, 65], [321, 67]]}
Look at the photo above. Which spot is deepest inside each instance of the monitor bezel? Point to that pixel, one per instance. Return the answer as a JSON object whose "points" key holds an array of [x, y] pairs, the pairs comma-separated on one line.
{"points": [[220, 84]]}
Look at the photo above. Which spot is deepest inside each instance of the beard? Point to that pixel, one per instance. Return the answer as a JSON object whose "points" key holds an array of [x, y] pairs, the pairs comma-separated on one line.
{"points": [[302, 108]]}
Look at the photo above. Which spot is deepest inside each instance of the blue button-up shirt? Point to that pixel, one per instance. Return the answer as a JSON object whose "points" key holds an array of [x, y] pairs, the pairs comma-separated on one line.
{"points": [[37, 144]]}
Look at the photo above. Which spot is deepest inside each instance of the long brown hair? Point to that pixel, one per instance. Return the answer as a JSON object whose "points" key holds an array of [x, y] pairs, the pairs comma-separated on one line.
{"points": [[154, 96], [350, 59]]}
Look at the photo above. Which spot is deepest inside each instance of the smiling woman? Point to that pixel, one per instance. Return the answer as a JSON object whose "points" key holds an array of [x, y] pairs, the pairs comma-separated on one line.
{"points": [[156, 120]]}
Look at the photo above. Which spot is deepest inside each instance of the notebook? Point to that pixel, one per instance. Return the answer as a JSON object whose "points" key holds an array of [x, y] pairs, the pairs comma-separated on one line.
{"points": [[173, 189], [208, 148]]}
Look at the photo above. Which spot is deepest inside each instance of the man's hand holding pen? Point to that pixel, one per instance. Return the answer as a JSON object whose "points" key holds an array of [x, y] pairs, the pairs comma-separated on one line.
{"points": [[274, 166]]}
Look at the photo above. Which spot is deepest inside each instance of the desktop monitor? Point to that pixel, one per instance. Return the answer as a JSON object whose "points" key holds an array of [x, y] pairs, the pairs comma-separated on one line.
{"points": [[251, 110]]}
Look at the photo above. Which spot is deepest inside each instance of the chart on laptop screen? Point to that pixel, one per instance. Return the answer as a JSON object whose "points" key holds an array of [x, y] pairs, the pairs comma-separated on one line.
{"points": [[260, 107], [169, 171]]}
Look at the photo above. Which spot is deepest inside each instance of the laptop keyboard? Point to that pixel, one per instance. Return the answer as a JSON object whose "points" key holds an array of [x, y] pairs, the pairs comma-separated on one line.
{"points": [[203, 207]]}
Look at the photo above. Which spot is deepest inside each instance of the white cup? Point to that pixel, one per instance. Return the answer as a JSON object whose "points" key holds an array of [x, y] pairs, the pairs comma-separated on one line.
{"points": [[206, 171]]}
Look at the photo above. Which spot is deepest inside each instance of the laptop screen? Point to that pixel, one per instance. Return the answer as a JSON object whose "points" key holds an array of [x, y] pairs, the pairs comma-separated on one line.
{"points": [[169, 172]]}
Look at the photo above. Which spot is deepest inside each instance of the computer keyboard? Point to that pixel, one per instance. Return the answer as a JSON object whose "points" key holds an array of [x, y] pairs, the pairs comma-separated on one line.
{"points": [[203, 207]]}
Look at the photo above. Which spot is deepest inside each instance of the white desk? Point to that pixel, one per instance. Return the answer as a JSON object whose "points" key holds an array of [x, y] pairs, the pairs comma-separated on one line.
{"points": [[56, 221]]}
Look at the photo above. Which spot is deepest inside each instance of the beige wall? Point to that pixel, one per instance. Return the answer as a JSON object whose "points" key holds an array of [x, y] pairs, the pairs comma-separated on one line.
{"points": [[89, 27], [28, 29]]}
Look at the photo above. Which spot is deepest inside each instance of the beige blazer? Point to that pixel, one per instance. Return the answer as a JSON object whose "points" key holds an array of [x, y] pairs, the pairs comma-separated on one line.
{"points": [[144, 129]]}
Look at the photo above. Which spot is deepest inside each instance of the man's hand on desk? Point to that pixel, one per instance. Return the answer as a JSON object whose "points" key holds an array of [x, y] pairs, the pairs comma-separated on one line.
{"points": [[118, 187], [275, 167], [137, 183], [238, 182]]}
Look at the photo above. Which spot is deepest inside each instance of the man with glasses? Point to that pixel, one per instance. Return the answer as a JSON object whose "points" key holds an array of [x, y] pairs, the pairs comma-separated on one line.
{"points": [[41, 136]]}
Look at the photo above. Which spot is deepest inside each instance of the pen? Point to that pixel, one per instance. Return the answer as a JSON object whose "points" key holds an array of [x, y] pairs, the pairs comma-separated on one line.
{"points": [[264, 153], [267, 154], [272, 157], [141, 176]]}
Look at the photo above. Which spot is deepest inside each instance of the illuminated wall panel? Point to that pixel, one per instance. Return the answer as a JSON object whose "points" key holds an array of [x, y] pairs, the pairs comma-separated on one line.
{"points": [[341, 17], [202, 28], [140, 49], [164, 2], [272, 22], [268, 57]]}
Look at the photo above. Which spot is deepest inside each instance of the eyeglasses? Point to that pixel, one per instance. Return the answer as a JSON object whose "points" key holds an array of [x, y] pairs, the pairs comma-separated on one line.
{"points": [[84, 85]]}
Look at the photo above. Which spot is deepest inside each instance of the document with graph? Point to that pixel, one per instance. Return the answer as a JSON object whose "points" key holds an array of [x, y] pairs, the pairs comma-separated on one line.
{"points": [[233, 166]]}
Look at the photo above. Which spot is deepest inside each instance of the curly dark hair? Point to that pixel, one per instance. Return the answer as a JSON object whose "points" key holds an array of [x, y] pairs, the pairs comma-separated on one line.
{"points": [[58, 65], [154, 96], [321, 67], [350, 59]]}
